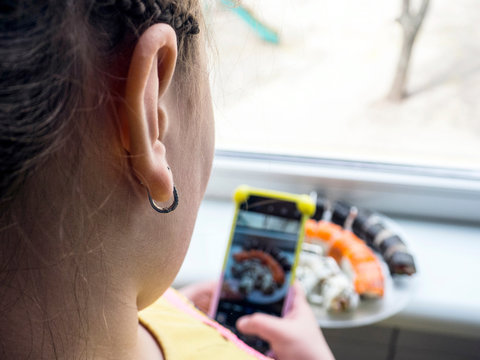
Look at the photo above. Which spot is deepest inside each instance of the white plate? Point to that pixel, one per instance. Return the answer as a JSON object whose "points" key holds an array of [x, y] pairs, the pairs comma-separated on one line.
{"points": [[397, 293]]}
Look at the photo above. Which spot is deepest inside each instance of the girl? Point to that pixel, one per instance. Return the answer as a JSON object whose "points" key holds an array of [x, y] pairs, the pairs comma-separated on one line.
{"points": [[105, 127]]}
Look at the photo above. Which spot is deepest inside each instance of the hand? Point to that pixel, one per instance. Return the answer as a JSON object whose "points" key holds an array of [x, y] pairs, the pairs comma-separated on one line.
{"points": [[200, 294], [295, 336]]}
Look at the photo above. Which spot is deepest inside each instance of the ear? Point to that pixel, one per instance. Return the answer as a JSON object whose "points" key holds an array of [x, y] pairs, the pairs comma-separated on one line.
{"points": [[143, 117]]}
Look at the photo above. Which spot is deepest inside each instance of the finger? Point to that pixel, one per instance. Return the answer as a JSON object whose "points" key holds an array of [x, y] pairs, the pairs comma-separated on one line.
{"points": [[293, 298], [298, 288], [205, 286], [192, 290], [300, 299], [200, 294], [267, 327], [202, 302], [300, 307]]}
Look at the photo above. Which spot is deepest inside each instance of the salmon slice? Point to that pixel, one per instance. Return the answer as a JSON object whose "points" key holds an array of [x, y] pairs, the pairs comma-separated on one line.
{"points": [[353, 256]]}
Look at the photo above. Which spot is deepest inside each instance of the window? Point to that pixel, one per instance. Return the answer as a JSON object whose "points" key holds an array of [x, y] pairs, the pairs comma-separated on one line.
{"points": [[311, 111]]}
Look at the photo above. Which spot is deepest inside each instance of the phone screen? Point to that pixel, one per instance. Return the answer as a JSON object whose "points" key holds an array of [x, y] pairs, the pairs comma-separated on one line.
{"points": [[259, 263]]}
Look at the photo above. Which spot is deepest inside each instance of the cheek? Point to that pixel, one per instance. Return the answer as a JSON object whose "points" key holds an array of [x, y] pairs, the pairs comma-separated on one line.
{"points": [[208, 124], [209, 148]]}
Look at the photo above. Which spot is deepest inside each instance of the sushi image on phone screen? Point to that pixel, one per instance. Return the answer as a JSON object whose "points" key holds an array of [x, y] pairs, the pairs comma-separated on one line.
{"points": [[260, 261]]}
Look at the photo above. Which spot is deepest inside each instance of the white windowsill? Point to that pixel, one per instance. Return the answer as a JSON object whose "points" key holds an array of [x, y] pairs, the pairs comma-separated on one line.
{"points": [[412, 191], [448, 295]]}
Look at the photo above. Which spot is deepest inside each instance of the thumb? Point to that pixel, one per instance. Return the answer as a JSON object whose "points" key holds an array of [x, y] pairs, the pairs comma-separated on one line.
{"points": [[267, 327]]}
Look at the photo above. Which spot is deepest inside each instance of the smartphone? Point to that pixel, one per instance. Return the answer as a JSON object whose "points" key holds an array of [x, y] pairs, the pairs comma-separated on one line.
{"points": [[261, 257]]}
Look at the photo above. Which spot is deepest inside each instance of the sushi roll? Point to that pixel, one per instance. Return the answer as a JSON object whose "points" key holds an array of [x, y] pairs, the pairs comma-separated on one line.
{"points": [[322, 207], [354, 257], [325, 284], [370, 228], [340, 213], [395, 252]]}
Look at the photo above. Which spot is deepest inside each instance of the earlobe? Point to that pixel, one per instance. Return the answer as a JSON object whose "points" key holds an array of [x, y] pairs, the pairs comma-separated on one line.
{"points": [[144, 119]]}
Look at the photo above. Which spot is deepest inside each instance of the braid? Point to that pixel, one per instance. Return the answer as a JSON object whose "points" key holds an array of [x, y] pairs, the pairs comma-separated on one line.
{"points": [[146, 12]]}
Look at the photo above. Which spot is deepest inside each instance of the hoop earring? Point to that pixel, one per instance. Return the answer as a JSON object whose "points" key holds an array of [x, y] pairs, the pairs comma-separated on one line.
{"points": [[164, 210]]}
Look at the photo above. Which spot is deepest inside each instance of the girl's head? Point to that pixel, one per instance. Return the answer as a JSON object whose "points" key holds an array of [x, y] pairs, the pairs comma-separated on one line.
{"points": [[99, 99]]}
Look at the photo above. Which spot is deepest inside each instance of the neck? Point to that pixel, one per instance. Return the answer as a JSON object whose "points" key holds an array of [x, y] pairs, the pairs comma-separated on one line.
{"points": [[61, 311], [69, 278]]}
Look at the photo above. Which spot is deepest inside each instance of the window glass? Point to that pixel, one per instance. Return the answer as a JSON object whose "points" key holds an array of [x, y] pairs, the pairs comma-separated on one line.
{"points": [[322, 89]]}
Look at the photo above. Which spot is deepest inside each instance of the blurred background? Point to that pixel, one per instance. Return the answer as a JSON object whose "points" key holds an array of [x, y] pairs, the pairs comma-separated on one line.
{"points": [[324, 86]]}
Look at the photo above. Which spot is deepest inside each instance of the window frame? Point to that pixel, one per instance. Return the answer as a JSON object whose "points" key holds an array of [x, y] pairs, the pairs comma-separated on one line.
{"points": [[394, 189]]}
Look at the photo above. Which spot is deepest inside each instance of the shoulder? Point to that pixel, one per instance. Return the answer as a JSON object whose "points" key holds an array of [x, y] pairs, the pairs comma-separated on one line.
{"points": [[184, 332]]}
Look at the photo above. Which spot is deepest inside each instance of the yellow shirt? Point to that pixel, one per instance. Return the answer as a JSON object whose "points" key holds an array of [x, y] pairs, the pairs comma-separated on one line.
{"points": [[185, 333]]}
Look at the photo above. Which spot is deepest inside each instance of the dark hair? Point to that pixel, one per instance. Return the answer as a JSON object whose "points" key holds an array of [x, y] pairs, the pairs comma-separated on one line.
{"points": [[48, 50]]}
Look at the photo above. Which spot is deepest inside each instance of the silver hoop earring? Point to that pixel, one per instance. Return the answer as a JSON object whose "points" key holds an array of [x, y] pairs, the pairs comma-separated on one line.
{"points": [[164, 210]]}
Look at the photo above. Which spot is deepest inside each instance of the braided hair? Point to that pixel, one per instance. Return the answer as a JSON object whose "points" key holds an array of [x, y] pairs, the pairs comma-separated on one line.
{"points": [[152, 9], [136, 15], [47, 50]]}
